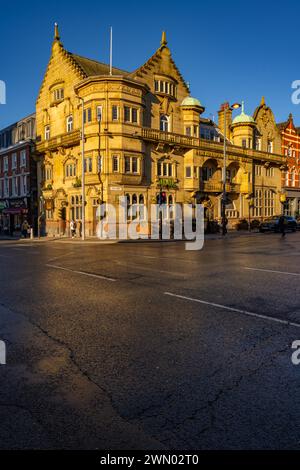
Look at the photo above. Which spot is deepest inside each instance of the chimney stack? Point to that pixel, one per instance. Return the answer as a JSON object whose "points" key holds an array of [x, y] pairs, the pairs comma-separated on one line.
{"points": [[225, 108]]}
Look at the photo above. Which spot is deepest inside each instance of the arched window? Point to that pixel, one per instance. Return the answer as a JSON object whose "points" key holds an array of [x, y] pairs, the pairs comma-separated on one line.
{"points": [[142, 207], [164, 123], [128, 200], [134, 207], [171, 206], [287, 178], [47, 132], [69, 123]]}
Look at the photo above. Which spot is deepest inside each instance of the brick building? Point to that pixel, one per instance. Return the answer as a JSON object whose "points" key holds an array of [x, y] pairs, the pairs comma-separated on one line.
{"points": [[290, 138], [18, 180]]}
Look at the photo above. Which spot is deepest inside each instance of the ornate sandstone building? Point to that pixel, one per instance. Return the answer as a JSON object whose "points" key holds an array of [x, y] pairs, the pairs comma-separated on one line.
{"points": [[144, 134]]}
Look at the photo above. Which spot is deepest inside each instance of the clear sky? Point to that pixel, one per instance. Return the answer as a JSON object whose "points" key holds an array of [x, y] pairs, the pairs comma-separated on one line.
{"points": [[233, 50]]}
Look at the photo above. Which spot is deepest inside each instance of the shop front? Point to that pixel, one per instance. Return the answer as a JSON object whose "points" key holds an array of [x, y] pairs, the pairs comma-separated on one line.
{"points": [[13, 214]]}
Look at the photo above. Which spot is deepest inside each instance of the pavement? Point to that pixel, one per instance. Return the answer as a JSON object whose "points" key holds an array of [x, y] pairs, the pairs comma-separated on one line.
{"points": [[149, 346]]}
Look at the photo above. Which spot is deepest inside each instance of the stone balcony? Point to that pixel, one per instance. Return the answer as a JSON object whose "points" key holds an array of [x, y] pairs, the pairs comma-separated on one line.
{"points": [[69, 139], [128, 179], [203, 145], [156, 135], [217, 187]]}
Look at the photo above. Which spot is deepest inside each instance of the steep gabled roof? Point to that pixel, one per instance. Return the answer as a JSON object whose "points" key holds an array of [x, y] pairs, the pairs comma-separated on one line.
{"points": [[161, 56], [82, 66], [282, 125], [92, 67]]}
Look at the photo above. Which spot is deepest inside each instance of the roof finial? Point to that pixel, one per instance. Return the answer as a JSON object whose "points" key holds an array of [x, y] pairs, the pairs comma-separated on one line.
{"points": [[163, 41], [56, 33], [262, 102], [243, 107]]}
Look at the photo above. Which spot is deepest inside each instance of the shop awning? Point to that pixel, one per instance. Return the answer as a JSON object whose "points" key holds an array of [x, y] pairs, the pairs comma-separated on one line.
{"points": [[15, 210]]}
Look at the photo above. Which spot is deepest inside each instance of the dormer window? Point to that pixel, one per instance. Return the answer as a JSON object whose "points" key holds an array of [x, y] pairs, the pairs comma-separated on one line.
{"points": [[165, 87], [58, 94]]}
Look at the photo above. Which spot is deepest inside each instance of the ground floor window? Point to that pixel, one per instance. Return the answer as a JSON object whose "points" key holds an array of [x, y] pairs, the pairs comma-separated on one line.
{"points": [[135, 206], [269, 203], [167, 203], [264, 203], [258, 203]]}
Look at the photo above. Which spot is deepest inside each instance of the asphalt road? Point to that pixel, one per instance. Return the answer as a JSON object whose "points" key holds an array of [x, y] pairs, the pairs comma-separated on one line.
{"points": [[150, 346]]}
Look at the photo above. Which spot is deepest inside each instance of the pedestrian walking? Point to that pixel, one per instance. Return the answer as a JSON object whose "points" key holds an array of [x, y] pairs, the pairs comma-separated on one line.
{"points": [[25, 228], [224, 225], [282, 225], [73, 228], [80, 228]]}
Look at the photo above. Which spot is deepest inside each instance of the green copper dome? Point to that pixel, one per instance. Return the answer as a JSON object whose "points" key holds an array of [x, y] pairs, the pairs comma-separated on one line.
{"points": [[189, 101], [243, 118]]}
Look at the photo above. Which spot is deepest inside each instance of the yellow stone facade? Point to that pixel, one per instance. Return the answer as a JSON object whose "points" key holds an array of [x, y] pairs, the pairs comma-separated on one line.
{"points": [[142, 135]]}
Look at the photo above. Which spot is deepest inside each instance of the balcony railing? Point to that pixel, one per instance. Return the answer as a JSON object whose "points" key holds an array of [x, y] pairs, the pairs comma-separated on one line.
{"points": [[63, 140], [217, 187], [156, 135], [169, 137]]}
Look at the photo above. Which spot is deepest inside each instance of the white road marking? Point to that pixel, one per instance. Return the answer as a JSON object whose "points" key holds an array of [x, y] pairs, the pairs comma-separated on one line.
{"points": [[98, 276], [60, 256], [236, 310], [272, 271], [144, 268]]}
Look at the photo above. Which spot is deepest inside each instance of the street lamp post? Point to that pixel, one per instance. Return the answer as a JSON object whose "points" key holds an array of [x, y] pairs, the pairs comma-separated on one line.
{"points": [[40, 214], [251, 205], [82, 173], [226, 108], [100, 163]]}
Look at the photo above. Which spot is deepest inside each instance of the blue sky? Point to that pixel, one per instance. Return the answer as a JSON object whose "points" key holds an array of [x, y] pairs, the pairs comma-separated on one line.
{"points": [[229, 50]]}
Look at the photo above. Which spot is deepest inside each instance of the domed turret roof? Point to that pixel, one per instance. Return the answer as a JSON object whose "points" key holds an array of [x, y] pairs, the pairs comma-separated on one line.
{"points": [[189, 101], [243, 118]]}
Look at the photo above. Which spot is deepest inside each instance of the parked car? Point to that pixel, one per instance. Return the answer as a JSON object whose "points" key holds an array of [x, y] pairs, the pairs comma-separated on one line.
{"points": [[298, 223], [272, 224]]}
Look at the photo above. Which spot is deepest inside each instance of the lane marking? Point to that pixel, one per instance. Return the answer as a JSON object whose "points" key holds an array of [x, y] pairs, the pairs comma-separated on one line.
{"points": [[60, 256], [272, 271], [98, 276], [236, 310], [144, 268]]}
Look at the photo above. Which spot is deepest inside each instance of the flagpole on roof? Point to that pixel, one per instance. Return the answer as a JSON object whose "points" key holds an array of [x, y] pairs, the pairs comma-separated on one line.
{"points": [[111, 51]]}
